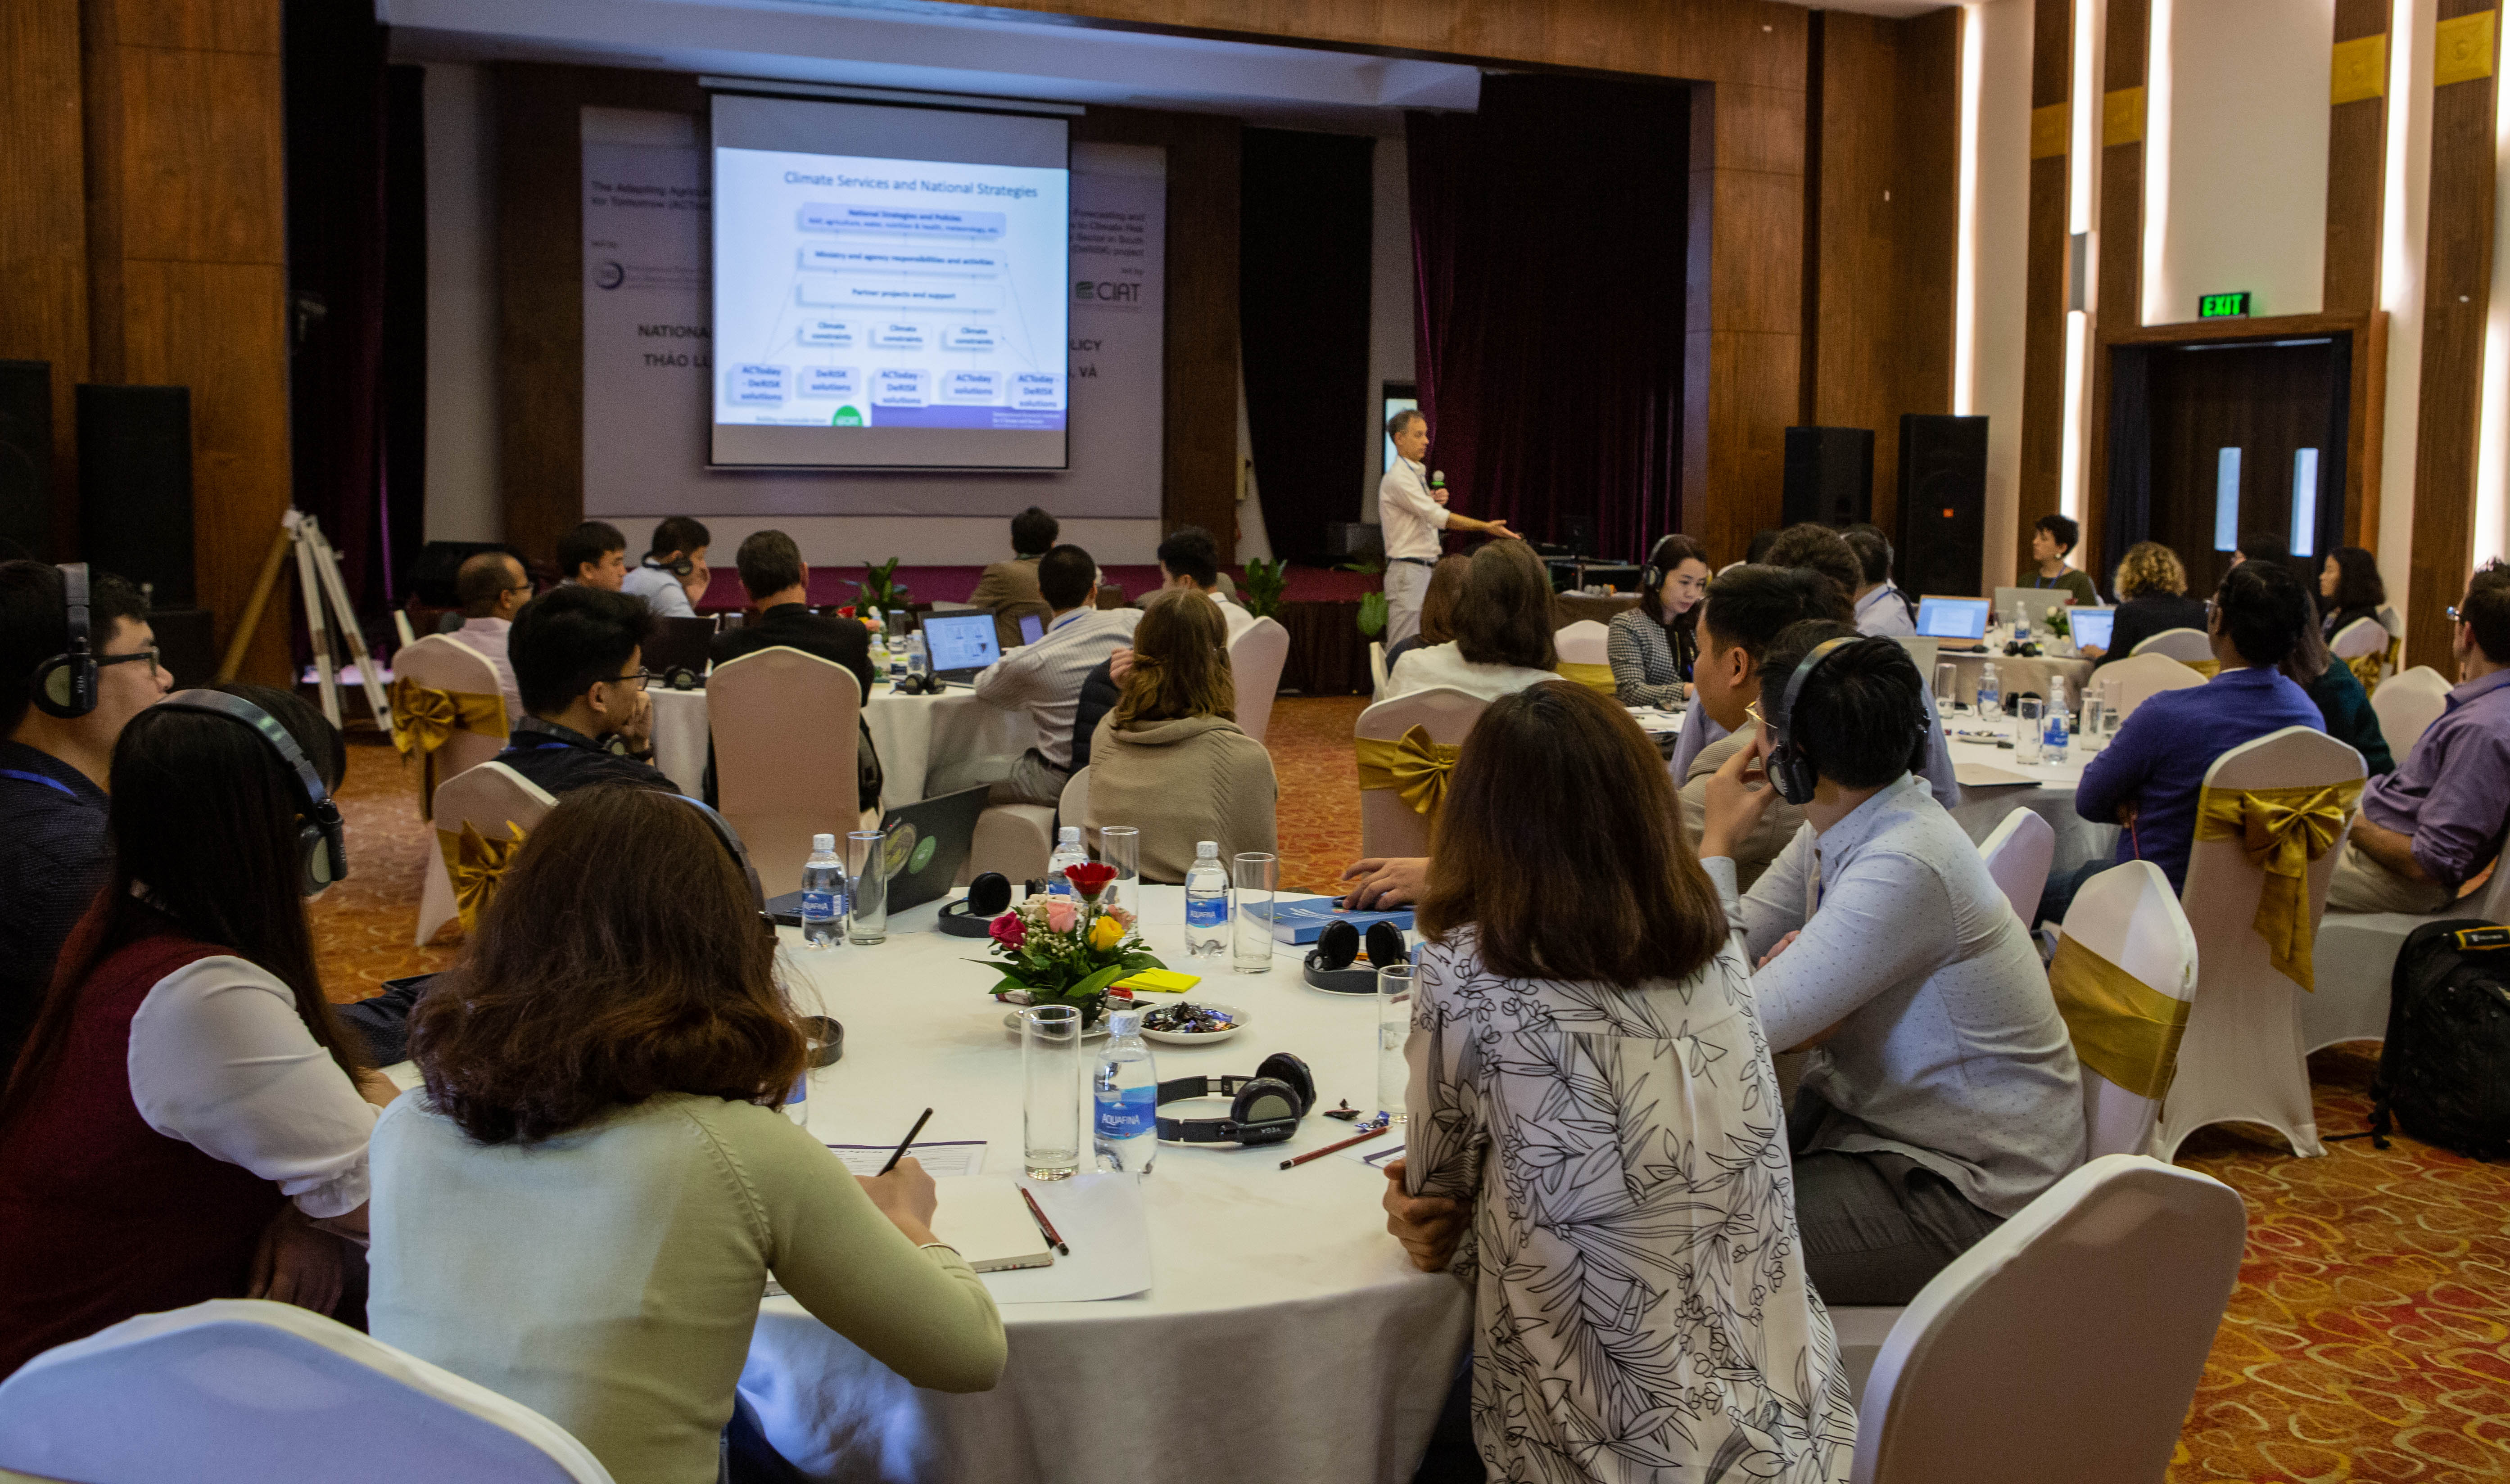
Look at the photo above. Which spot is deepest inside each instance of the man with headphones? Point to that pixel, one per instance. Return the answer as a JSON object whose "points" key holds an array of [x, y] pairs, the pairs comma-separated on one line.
{"points": [[1941, 1094], [674, 572], [77, 661]]}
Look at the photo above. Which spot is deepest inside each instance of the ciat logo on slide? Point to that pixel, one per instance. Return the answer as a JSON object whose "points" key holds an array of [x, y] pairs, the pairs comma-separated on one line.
{"points": [[1106, 291]]}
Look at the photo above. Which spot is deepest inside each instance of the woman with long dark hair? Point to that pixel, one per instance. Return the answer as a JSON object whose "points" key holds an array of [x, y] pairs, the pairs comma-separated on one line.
{"points": [[187, 1108], [1592, 1095], [1651, 647], [2349, 590], [1170, 757], [1502, 626]]}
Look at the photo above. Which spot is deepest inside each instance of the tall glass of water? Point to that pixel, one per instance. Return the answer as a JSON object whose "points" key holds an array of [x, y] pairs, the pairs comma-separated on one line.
{"points": [[1393, 1029], [2093, 734], [1947, 687], [1255, 874], [1050, 1091], [2027, 742], [1120, 849], [866, 886]]}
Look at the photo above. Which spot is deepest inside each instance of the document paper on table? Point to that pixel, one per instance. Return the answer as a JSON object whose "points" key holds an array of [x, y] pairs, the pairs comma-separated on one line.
{"points": [[1101, 1219], [941, 1159]]}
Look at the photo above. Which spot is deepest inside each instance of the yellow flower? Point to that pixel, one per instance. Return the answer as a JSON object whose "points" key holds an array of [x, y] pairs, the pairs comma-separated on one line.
{"points": [[1105, 934]]}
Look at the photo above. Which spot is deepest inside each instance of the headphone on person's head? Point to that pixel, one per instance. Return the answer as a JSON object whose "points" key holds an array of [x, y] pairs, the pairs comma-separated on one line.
{"points": [[988, 897], [1329, 965], [1263, 1109], [65, 685], [322, 847], [1790, 771], [683, 567], [1651, 576]]}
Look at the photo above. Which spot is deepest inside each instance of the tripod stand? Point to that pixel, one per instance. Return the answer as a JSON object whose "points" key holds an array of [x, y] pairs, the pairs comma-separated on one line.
{"points": [[318, 578]]}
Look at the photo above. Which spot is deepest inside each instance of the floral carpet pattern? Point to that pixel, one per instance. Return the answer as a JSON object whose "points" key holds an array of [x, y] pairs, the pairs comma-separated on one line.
{"points": [[2369, 1339]]}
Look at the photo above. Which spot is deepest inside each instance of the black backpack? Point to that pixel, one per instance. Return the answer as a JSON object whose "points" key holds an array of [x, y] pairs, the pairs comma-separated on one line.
{"points": [[2445, 1070]]}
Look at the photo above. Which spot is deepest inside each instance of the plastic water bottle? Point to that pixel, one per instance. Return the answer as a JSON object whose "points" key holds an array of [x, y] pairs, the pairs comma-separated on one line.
{"points": [[1067, 853], [2054, 749], [824, 895], [797, 1103], [1991, 691], [918, 664], [879, 653], [1206, 904], [897, 661], [1125, 1085]]}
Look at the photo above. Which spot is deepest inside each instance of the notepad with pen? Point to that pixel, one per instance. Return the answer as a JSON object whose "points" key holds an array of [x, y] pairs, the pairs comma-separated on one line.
{"points": [[983, 1219]]}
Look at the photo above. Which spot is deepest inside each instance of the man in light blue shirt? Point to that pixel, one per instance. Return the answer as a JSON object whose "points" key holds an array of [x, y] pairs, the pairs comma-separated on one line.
{"points": [[1880, 610], [674, 570]]}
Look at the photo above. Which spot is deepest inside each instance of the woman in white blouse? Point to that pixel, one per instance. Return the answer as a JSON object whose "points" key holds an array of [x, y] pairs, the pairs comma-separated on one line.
{"points": [[187, 1121], [1503, 627], [1594, 1138]]}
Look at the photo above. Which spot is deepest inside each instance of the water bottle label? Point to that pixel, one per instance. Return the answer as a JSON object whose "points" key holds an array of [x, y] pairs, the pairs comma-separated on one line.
{"points": [[1058, 885], [1128, 1113], [801, 1090], [1206, 911], [818, 904]]}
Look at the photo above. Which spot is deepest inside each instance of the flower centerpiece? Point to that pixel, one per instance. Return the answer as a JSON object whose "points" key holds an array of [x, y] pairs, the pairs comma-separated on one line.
{"points": [[1067, 950]]}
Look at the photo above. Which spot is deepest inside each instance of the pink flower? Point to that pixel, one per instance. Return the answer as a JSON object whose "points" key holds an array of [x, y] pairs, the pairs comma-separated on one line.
{"points": [[1009, 931], [1059, 914]]}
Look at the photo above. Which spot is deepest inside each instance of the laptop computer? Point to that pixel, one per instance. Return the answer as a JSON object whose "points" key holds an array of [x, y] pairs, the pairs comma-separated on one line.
{"points": [[2012, 603], [1032, 629], [960, 645], [927, 843], [1958, 619], [2091, 628], [676, 651]]}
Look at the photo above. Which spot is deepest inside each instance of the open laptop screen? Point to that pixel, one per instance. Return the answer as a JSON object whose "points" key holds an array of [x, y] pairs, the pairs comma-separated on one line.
{"points": [[1952, 618], [2091, 628], [961, 641], [1032, 629]]}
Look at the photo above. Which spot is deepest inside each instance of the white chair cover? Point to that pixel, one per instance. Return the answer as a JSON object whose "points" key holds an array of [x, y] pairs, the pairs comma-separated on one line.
{"points": [[2242, 1060], [447, 663], [1585, 643], [2065, 1346], [2177, 644], [489, 798], [2407, 705], [1922, 652], [1255, 660], [2128, 916], [1073, 809], [785, 730], [247, 1392], [1014, 839], [2141, 676], [2362, 637], [2356, 959], [401, 628], [1388, 826], [2018, 852], [1376, 670]]}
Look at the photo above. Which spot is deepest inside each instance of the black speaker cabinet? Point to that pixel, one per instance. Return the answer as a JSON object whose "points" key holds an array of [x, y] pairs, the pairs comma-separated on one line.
{"points": [[1943, 503], [1830, 475], [136, 486], [25, 459]]}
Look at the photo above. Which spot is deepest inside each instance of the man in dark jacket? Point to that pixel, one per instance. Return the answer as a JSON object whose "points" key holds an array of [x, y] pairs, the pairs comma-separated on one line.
{"points": [[779, 585]]}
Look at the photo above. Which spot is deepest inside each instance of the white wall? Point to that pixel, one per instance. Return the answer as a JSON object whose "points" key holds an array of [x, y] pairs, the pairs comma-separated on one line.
{"points": [[1998, 253], [1389, 305], [2401, 282], [463, 500]]}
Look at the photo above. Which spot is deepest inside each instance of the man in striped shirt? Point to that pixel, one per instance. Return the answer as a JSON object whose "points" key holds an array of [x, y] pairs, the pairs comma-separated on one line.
{"points": [[1044, 678]]}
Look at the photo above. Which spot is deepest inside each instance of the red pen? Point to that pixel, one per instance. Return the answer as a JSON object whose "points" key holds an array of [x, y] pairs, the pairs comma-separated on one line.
{"points": [[1043, 1226]]}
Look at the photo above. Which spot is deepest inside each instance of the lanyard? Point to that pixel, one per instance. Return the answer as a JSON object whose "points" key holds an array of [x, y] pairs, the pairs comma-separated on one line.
{"points": [[24, 776]]}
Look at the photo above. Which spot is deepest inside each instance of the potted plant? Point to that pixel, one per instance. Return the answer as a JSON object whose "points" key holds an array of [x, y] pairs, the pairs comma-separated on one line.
{"points": [[1266, 581], [879, 588], [1067, 950]]}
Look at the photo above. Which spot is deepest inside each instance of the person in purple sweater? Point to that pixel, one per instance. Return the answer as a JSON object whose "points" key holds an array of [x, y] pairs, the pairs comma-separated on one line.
{"points": [[2147, 779]]}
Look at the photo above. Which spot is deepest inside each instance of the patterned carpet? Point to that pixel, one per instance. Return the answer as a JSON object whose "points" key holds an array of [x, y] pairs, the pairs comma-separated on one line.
{"points": [[2370, 1336]]}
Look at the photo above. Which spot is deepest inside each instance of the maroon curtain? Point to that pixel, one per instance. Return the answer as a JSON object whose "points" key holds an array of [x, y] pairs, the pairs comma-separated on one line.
{"points": [[1548, 243]]}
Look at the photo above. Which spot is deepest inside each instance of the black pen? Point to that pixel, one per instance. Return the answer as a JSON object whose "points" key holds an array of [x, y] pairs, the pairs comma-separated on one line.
{"points": [[905, 1142]]}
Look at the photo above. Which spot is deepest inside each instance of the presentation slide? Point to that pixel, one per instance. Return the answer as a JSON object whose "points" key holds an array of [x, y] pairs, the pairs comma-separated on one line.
{"points": [[888, 286]]}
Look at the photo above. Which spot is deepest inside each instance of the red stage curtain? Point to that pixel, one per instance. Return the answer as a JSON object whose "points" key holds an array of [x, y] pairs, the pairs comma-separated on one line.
{"points": [[1547, 238]]}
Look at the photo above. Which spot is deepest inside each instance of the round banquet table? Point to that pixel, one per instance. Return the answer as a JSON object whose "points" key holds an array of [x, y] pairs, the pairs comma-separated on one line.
{"points": [[2050, 794], [1284, 1335], [2015, 674], [929, 745]]}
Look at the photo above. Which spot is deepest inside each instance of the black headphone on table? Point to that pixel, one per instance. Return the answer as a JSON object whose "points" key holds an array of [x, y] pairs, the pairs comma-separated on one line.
{"points": [[66, 684], [988, 897], [321, 850], [926, 684], [1790, 771], [1329, 964], [1263, 1109]]}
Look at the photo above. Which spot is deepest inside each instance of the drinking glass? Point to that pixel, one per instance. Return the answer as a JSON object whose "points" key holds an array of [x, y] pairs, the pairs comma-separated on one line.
{"points": [[2092, 736], [1393, 1029], [1051, 1091], [2028, 742], [1255, 874], [1120, 848], [866, 887], [1947, 687]]}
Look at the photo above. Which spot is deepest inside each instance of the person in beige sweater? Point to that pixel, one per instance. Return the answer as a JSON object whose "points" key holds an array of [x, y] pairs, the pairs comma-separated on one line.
{"points": [[1169, 760]]}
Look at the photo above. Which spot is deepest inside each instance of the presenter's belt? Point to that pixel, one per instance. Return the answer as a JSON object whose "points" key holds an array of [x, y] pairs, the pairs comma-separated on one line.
{"points": [[1417, 561]]}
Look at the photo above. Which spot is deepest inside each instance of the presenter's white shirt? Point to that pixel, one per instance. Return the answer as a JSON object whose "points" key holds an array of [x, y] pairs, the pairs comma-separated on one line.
{"points": [[1408, 515]]}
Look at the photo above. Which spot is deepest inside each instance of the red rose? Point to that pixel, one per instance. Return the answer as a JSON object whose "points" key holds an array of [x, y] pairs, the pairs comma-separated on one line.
{"points": [[1089, 878], [1008, 930]]}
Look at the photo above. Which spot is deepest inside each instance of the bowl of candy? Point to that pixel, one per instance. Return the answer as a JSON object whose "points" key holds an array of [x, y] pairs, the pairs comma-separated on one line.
{"points": [[1192, 1024]]}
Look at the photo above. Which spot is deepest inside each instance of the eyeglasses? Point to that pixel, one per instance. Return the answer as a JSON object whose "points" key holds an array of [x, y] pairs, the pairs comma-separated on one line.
{"points": [[150, 653], [642, 677], [1753, 711], [2455, 616]]}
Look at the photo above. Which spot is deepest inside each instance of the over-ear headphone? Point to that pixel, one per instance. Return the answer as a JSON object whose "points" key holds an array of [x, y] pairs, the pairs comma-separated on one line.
{"points": [[912, 684], [989, 897], [1329, 964], [1790, 771], [730, 839], [1263, 1109], [66, 684], [683, 567], [1651, 576], [323, 852]]}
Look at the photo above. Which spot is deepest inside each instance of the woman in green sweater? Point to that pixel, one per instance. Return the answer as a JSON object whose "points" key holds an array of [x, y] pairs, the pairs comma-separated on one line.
{"points": [[584, 1209], [2340, 701]]}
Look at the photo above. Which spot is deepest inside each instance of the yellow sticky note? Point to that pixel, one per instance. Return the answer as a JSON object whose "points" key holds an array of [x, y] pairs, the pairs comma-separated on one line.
{"points": [[1164, 981]]}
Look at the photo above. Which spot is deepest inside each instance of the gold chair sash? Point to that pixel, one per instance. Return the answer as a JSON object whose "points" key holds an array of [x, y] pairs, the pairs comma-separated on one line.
{"points": [[476, 863], [2122, 1028], [2208, 668], [2282, 830], [1595, 677], [2367, 669], [425, 717], [1412, 764]]}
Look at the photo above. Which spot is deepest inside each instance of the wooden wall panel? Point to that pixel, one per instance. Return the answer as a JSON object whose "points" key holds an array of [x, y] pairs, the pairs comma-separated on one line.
{"points": [[202, 172], [2357, 158], [2458, 280], [2043, 331], [2119, 299], [1745, 319], [42, 217]]}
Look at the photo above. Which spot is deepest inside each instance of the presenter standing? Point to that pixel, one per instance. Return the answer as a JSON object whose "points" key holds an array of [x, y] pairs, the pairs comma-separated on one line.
{"points": [[1411, 518]]}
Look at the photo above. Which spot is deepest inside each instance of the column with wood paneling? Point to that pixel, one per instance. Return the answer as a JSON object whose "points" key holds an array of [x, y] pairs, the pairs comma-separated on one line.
{"points": [[2357, 177], [2044, 332], [2457, 284], [2118, 301], [43, 232]]}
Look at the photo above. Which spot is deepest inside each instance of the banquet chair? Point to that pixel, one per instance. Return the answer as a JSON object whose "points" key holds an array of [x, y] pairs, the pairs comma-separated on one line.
{"points": [[478, 728], [2356, 960], [786, 731], [2018, 851], [250, 1391], [1255, 660], [2407, 705], [1585, 643], [2184, 644], [2360, 640], [1074, 807], [1376, 670], [2065, 1346], [2128, 919], [2242, 1058], [480, 815], [1388, 823], [2141, 676]]}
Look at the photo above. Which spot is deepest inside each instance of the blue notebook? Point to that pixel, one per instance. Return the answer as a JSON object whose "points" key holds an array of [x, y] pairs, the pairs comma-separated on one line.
{"points": [[1299, 921]]}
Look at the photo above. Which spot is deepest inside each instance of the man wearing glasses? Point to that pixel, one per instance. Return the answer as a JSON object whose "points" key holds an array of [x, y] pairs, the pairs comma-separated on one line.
{"points": [[53, 769], [492, 588], [579, 656]]}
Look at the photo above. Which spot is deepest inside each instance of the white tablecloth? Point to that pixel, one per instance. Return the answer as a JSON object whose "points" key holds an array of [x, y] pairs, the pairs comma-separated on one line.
{"points": [[929, 745], [2015, 674], [1983, 809], [1284, 1338]]}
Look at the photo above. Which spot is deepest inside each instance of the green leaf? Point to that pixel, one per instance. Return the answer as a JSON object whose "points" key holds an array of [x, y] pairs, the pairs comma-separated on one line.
{"points": [[1097, 982]]}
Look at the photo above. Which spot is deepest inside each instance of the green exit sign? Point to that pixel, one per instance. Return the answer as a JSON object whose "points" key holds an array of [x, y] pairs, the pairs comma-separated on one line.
{"points": [[2222, 306]]}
